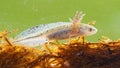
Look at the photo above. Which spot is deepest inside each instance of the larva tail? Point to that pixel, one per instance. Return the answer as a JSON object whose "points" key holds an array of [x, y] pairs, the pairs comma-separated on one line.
{"points": [[32, 42]]}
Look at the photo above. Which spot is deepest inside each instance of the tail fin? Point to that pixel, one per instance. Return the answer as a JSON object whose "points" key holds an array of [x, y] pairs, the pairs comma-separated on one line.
{"points": [[32, 42]]}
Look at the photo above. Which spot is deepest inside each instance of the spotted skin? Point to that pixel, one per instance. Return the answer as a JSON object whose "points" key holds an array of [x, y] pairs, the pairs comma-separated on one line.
{"points": [[40, 30]]}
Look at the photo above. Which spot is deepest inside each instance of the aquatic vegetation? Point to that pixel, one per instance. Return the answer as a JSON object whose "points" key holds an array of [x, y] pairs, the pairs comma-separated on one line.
{"points": [[76, 54]]}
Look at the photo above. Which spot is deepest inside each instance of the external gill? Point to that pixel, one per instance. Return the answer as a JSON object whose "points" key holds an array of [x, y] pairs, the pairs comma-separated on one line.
{"points": [[77, 20]]}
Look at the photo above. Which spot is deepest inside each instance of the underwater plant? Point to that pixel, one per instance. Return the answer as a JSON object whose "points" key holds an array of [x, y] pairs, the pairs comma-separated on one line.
{"points": [[102, 54]]}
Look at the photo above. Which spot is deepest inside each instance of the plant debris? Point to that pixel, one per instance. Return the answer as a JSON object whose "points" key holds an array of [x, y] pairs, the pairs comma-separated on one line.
{"points": [[76, 54]]}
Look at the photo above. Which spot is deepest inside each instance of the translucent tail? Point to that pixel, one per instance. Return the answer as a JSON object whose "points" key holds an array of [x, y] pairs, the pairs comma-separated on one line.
{"points": [[32, 42]]}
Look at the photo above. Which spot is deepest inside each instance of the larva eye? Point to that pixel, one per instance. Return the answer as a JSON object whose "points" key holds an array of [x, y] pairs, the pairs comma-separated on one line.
{"points": [[90, 29]]}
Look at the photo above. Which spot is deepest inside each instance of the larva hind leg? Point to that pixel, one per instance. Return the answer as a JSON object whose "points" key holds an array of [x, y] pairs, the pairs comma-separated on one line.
{"points": [[46, 46]]}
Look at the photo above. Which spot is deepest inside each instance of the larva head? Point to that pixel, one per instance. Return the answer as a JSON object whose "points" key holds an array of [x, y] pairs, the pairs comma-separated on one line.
{"points": [[87, 30]]}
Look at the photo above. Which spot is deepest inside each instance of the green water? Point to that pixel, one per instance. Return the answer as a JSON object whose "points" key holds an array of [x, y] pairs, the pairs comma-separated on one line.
{"points": [[22, 14]]}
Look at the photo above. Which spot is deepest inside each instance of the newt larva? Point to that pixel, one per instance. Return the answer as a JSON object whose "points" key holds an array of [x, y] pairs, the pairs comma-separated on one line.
{"points": [[41, 34]]}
